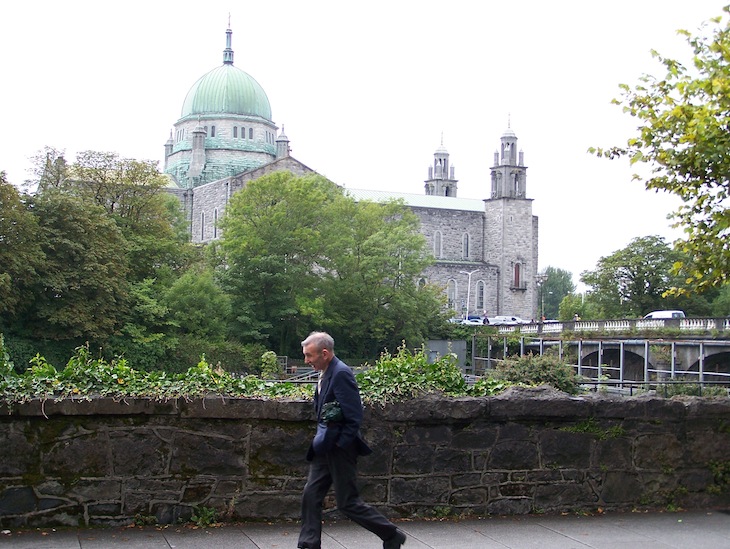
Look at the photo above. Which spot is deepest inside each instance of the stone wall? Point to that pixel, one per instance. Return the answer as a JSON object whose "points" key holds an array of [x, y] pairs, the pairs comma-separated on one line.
{"points": [[107, 462]]}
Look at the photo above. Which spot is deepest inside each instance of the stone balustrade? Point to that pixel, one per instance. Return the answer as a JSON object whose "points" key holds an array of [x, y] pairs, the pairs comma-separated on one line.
{"points": [[709, 325]]}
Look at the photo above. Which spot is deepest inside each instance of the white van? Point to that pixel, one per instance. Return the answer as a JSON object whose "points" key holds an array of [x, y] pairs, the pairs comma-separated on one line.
{"points": [[665, 314], [507, 320]]}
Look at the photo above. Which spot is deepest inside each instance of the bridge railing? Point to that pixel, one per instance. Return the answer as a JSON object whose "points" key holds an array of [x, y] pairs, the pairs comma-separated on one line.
{"points": [[702, 324], [617, 361]]}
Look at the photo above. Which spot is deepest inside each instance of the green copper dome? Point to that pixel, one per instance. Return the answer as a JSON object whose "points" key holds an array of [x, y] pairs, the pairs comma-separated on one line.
{"points": [[227, 90]]}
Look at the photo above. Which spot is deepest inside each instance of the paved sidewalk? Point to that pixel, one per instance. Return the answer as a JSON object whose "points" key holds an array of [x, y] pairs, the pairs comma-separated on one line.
{"points": [[685, 530]]}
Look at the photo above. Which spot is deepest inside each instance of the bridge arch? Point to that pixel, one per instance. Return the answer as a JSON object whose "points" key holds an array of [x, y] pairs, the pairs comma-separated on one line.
{"points": [[628, 359]]}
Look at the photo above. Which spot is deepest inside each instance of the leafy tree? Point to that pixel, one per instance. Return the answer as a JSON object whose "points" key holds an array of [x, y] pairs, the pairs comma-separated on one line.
{"points": [[197, 306], [81, 288], [721, 304], [558, 284], [124, 200], [373, 296], [20, 251], [683, 135], [132, 193], [579, 304], [298, 254], [271, 253], [632, 281], [49, 170], [144, 339]]}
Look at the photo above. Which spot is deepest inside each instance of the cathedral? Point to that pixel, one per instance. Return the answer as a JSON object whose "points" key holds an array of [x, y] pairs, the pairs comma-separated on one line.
{"points": [[485, 250]]}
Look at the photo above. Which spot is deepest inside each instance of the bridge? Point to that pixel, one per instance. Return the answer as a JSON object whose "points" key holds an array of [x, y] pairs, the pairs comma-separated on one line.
{"points": [[623, 352], [702, 324]]}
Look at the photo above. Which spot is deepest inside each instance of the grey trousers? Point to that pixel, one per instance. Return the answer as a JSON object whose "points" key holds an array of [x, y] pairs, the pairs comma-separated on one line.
{"points": [[337, 468]]}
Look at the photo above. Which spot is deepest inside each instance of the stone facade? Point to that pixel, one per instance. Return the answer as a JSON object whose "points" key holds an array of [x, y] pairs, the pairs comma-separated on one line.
{"points": [[495, 239], [528, 450]]}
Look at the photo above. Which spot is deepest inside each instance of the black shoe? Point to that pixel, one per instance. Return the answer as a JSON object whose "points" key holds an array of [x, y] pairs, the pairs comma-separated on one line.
{"points": [[394, 542]]}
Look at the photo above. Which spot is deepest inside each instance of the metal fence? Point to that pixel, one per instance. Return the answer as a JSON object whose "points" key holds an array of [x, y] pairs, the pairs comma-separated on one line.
{"points": [[622, 363]]}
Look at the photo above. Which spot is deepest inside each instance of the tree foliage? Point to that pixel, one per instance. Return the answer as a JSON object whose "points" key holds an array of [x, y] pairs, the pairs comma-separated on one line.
{"points": [[132, 193], [81, 287], [298, 254], [579, 304], [636, 280], [49, 170], [20, 250], [105, 225], [198, 306], [558, 284], [272, 252], [683, 136], [374, 299]]}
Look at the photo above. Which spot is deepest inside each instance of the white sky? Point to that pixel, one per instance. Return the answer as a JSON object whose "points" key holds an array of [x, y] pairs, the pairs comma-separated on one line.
{"points": [[365, 91]]}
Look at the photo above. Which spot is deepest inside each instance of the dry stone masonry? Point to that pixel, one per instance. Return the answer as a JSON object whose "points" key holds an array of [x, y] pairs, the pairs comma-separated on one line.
{"points": [[107, 462]]}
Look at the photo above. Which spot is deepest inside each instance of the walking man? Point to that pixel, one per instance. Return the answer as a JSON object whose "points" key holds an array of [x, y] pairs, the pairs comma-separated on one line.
{"points": [[334, 450]]}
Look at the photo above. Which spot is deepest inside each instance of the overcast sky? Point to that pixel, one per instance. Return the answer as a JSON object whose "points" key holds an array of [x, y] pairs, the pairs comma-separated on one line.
{"points": [[365, 91]]}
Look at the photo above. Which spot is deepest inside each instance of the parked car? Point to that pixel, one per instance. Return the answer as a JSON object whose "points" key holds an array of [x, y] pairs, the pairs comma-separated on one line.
{"points": [[503, 320], [665, 314], [473, 321]]}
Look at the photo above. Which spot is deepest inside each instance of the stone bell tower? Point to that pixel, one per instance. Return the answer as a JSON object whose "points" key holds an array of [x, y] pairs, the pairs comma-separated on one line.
{"points": [[441, 180], [512, 231]]}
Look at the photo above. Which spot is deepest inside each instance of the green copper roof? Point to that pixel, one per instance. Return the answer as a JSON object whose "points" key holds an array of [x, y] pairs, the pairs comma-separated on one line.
{"points": [[227, 90]]}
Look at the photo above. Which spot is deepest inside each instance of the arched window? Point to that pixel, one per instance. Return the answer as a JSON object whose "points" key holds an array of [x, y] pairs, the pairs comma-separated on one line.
{"points": [[202, 225], [517, 276], [465, 246], [437, 244], [421, 282], [215, 223], [212, 131], [235, 131], [480, 296], [451, 294], [250, 133]]}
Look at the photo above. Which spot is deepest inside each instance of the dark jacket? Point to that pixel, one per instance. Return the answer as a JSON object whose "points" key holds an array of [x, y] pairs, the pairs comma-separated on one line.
{"points": [[339, 384]]}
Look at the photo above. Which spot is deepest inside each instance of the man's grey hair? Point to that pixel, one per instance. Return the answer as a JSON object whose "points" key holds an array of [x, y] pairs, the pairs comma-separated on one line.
{"points": [[322, 340]]}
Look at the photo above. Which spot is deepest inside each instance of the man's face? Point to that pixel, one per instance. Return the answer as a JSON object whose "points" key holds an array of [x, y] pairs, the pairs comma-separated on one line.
{"points": [[316, 358]]}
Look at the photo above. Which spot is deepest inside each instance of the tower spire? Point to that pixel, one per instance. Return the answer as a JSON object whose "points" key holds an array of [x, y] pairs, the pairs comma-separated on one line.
{"points": [[228, 52]]}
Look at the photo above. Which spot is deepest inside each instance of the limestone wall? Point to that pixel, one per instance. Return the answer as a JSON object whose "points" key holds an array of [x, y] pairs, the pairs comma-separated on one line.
{"points": [[105, 462]]}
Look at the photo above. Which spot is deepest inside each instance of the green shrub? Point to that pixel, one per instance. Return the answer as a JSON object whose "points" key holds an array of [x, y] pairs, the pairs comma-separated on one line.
{"points": [[270, 368], [669, 390], [204, 516], [6, 365], [408, 374], [488, 386], [147, 353], [85, 377], [21, 350], [540, 370], [228, 355]]}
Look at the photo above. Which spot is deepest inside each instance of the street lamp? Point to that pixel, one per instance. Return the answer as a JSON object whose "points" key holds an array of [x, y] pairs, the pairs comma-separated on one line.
{"points": [[540, 279], [468, 288]]}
